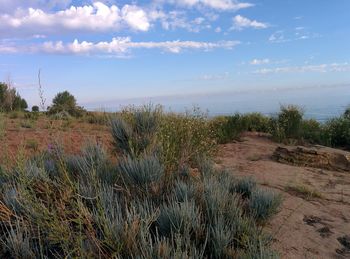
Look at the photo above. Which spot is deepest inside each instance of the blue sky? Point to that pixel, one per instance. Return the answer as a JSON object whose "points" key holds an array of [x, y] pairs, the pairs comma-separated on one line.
{"points": [[111, 50]]}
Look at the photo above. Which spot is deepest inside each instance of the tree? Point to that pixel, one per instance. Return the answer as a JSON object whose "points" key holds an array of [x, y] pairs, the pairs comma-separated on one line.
{"points": [[65, 102], [10, 100], [35, 108]]}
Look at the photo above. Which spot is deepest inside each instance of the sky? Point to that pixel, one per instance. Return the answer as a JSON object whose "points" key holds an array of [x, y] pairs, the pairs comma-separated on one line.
{"points": [[105, 51]]}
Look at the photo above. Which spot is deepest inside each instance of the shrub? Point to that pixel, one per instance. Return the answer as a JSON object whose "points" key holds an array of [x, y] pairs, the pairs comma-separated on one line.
{"points": [[185, 137], [263, 204], [290, 119], [135, 131], [141, 172], [228, 128], [179, 218], [312, 131], [337, 132], [245, 187], [256, 122]]}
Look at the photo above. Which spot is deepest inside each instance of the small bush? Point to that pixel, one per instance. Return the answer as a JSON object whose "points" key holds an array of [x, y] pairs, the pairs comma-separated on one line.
{"points": [[228, 128], [290, 119], [245, 187], [141, 172], [256, 122], [183, 138], [179, 218], [263, 204], [312, 131], [337, 132]]}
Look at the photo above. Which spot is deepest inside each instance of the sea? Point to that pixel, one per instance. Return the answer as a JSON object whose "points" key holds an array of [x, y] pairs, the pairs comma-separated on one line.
{"points": [[320, 103]]}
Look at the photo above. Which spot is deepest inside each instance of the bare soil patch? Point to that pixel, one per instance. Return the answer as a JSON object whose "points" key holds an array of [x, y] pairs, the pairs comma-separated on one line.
{"points": [[313, 226]]}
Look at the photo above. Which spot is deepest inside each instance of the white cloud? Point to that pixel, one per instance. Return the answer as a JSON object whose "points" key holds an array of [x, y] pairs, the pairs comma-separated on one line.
{"points": [[179, 20], [223, 5], [322, 68], [118, 46], [240, 22], [299, 33], [96, 17], [260, 61]]}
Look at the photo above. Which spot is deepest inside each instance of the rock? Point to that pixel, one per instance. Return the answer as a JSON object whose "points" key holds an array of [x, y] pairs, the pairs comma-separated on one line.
{"points": [[317, 156]]}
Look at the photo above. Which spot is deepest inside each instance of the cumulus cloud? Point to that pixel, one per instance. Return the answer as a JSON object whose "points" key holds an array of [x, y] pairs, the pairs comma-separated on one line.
{"points": [[223, 5], [240, 23], [96, 17], [260, 61], [321, 68], [119, 46]]}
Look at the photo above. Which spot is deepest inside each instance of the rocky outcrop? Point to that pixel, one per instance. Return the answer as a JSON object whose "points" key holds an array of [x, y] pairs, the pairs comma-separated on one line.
{"points": [[318, 157]]}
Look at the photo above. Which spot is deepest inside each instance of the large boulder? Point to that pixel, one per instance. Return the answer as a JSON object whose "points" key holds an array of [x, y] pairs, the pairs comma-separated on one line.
{"points": [[317, 156]]}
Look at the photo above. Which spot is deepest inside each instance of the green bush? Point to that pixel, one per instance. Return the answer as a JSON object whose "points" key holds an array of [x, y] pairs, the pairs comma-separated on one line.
{"points": [[256, 122], [337, 132], [228, 128], [183, 138], [312, 131]]}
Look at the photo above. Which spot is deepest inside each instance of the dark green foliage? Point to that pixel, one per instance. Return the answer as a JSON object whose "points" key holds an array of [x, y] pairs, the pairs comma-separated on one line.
{"points": [[312, 131], [290, 120], [35, 108], [337, 132], [65, 102]]}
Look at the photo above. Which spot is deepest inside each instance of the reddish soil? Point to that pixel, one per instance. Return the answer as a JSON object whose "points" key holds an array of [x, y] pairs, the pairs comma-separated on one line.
{"points": [[43, 132], [306, 227]]}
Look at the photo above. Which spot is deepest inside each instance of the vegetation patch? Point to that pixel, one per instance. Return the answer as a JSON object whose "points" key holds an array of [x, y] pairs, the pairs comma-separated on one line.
{"points": [[145, 205], [303, 192]]}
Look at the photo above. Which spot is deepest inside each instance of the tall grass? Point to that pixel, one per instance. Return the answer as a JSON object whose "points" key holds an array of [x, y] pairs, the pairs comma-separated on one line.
{"points": [[142, 206]]}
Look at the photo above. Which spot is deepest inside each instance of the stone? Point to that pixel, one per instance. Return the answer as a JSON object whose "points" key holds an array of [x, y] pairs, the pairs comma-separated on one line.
{"points": [[316, 156]]}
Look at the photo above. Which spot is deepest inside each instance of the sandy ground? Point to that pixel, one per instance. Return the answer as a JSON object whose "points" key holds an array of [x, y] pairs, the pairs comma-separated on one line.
{"points": [[306, 227]]}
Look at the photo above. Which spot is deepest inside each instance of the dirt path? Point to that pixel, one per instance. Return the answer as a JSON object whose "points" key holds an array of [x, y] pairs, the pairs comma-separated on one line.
{"points": [[316, 207]]}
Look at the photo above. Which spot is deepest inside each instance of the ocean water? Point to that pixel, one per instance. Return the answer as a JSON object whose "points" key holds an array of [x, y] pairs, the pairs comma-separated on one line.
{"points": [[320, 103]]}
